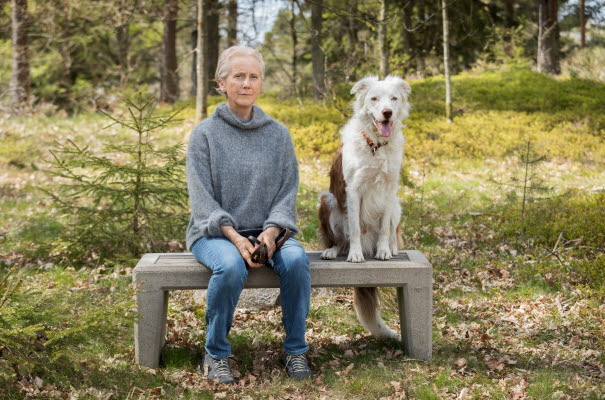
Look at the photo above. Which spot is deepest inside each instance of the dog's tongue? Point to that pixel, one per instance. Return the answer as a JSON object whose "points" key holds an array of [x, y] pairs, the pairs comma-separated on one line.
{"points": [[385, 128]]}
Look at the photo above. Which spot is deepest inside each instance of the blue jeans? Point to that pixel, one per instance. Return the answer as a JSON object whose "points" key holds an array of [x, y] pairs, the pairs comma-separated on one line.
{"points": [[227, 282]]}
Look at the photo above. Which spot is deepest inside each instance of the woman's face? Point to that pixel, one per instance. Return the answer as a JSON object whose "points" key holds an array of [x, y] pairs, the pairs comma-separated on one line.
{"points": [[243, 83]]}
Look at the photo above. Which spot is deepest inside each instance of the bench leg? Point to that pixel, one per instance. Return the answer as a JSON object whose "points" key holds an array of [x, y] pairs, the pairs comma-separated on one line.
{"points": [[150, 329], [415, 317]]}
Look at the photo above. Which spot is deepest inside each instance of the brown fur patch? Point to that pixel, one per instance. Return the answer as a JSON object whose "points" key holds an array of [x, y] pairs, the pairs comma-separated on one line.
{"points": [[326, 236], [366, 301], [338, 186], [399, 236]]}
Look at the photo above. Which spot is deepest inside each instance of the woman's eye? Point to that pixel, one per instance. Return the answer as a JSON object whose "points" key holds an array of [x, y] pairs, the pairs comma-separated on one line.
{"points": [[374, 98]]}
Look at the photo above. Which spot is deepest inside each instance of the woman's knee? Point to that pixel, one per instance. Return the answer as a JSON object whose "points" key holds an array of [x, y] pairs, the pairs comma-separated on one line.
{"points": [[231, 270], [296, 262]]}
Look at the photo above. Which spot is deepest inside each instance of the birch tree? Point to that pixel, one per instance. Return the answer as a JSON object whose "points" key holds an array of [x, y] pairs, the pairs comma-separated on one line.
{"points": [[201, 97], [317, 57], [446, 63], [382, 40], [582, 24]]}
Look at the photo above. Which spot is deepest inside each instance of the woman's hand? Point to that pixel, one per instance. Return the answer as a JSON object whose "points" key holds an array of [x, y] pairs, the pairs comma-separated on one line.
{"points": [[243, 245], [268, 237]]}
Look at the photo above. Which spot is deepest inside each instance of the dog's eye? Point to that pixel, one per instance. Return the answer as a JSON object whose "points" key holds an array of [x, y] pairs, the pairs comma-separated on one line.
{"points": [[374, 98], [394, 98]]}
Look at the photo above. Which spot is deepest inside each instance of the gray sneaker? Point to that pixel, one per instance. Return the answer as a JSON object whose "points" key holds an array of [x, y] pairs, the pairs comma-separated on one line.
{"points": [[297, 366], [217, 370]]}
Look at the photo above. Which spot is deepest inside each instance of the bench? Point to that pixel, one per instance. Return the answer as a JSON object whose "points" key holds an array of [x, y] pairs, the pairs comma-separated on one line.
{"points": [[410, 272]]}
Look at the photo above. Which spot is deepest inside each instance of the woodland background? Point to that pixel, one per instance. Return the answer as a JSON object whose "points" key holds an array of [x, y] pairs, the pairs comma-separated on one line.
{"points": [[503, 189]]}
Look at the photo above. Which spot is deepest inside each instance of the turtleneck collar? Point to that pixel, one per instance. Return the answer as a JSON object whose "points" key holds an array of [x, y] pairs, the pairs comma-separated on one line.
{"points": [[259, 118]]}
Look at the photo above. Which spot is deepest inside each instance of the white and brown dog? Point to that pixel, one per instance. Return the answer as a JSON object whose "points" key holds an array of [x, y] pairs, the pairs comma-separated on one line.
{"points": [[361, 212]]}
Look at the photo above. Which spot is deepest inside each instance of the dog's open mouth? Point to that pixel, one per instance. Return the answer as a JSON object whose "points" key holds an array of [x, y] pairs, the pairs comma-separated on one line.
{"points": [[385, 127]]}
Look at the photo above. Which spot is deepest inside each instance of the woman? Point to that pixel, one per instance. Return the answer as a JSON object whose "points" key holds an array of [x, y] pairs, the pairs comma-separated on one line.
{"points": [[242, 176]]}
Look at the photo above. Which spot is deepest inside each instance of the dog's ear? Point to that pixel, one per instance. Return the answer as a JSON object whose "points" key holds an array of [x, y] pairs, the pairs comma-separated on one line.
{"points": [[361, 87], [402, 85]]}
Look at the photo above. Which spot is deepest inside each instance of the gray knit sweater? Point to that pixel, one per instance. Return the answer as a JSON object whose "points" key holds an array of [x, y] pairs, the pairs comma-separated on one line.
{"points": [[240, 173]]}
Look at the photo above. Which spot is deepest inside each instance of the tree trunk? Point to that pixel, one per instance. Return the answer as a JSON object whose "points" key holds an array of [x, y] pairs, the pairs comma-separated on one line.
{"points": [[232, 23], [213, 9], [582, 24], [424, 41], [382, 40], [317, 56], [548, 37], [20, 90], [409, 41], [446, 63], [63, 96], [294, 44], [510, 13], [123, 39], [201, 98], [170, 87], [194, 62]]}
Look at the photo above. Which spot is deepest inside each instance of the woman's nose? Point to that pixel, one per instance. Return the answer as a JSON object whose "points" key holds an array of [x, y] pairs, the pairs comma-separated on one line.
{"points": [[247, 82]]}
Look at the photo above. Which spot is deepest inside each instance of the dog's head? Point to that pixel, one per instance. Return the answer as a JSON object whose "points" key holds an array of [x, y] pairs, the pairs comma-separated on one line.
{"points": [[384, 102]]}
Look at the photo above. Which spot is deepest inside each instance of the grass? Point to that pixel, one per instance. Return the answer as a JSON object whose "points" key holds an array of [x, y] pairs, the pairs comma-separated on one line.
{"points": [[513, 318]]}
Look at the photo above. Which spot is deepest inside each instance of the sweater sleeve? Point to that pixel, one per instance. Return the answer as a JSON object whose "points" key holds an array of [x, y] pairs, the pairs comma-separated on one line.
{"points": [[207, 215], [283, 209]]}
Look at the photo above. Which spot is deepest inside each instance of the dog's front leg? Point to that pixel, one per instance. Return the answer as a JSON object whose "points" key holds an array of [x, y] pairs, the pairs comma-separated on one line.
{"points": [[353, 204], [395, 219], [383, 251]]}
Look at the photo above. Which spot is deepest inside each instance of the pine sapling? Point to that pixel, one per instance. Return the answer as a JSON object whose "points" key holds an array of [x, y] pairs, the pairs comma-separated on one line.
{"points": [[125, 200]]}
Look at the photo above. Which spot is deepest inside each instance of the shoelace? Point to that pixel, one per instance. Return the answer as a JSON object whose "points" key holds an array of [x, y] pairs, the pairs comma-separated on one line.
{"points": [[297, 363], [222, 368]]}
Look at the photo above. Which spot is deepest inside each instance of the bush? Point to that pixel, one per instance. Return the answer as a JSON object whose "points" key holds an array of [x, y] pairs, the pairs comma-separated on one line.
{"points": [[576, 215], [588, 63]]}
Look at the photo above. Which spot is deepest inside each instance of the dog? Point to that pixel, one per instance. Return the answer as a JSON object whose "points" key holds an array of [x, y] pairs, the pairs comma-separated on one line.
{"points": [[359, 215]]}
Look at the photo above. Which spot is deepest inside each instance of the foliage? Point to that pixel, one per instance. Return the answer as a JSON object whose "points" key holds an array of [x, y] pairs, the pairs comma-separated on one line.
{"points": [[129, 199], [51, 332], [576, 216], [586, 63], [495, 111], [526, 187]]}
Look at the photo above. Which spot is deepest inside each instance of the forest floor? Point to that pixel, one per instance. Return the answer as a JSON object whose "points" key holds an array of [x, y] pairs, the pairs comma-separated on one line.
{"points": [[516, 316]]}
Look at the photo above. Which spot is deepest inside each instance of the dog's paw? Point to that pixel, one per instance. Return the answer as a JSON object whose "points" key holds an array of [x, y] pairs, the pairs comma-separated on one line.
{"points": [[394, 250], [329, 254], [383, 254], [355, 256]]}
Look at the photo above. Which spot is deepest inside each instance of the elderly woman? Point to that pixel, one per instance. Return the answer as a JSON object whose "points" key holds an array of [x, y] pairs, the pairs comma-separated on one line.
{"points": [[242, 176]]}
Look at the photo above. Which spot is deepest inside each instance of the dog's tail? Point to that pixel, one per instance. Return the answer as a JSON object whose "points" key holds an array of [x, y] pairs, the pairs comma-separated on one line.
{"points": [[366, 301], [327, 201]]}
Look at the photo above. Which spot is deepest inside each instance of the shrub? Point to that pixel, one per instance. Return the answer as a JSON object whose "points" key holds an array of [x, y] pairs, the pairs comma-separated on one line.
{"points": [[588, 63], [577, 215]]}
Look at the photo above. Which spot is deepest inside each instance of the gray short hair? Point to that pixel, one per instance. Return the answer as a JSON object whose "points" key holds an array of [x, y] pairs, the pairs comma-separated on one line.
{"points": [[223, 67]]}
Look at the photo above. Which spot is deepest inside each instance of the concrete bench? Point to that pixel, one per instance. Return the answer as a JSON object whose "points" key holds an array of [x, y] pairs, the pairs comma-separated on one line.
{"points": [[410, 272]]}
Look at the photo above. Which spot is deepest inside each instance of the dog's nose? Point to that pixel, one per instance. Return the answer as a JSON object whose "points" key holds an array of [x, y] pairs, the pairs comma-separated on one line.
{"points": [[387, 113]]}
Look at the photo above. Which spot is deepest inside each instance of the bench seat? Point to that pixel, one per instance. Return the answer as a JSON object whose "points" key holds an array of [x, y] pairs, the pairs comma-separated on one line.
{"points": [[410, 272]]}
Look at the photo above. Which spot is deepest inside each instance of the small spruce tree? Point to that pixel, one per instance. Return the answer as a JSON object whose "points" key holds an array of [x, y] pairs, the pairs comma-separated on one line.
{"points": [[128, 199], [528, 187]]}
